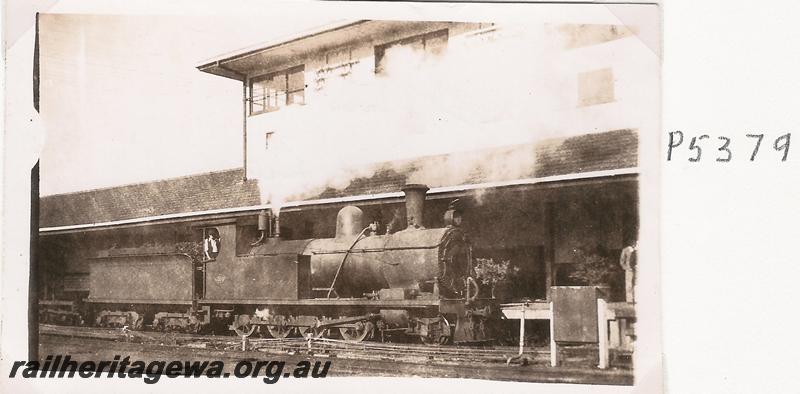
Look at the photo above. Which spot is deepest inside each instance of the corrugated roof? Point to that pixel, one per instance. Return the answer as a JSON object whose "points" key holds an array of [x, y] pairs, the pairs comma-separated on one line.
{"points": [[202, 192], [225, 189], [585, 153]]}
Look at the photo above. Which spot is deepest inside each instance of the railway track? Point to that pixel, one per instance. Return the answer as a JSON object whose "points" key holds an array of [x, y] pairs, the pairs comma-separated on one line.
{"points": [[317, 347]]}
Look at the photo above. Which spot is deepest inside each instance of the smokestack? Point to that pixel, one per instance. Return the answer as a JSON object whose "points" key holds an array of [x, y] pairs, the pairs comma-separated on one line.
{"points": [[415, 204]]}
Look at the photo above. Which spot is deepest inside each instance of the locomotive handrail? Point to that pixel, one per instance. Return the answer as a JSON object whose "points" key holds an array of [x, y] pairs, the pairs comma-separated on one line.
{"points": [[140, 255], [381, 249], [373, 250], [333, 283]]}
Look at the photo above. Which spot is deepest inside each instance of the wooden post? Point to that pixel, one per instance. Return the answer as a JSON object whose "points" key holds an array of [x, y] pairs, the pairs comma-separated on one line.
{"points": [[550, 258], [602, 334], [244, 126], [553, 344], [522, 329], [614, 334]]}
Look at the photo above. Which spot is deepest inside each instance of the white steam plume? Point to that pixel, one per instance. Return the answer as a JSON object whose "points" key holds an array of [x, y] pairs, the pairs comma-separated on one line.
{"points": [[482, 91]]}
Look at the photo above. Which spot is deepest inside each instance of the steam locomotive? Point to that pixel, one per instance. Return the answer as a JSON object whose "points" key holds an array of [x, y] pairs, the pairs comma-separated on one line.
{"points": [[416, 282]]}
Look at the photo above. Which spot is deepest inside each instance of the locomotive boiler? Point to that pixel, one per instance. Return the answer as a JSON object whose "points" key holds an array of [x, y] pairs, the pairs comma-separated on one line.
{"points": [[416, 282]]}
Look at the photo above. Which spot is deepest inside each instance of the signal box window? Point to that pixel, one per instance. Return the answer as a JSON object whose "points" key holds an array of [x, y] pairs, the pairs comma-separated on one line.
{"points": [[338, 64], [273, 91], [430, 43]]}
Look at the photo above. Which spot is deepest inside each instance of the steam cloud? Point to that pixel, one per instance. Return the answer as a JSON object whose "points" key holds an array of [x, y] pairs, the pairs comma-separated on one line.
{"points": [[482, 91]]}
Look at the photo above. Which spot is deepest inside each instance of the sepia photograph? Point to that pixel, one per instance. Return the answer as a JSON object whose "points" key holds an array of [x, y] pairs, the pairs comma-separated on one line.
{"points": [[308, 190]]}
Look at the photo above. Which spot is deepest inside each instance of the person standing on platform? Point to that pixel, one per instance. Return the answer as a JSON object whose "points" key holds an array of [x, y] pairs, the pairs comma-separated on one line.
{"points": [[627, 260]]}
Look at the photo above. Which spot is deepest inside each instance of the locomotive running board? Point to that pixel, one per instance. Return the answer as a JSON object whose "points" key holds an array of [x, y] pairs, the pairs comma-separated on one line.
{"points": [[334, 302], [122, 301]]}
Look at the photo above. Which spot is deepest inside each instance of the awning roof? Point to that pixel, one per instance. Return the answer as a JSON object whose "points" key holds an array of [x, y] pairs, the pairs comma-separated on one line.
{"points": [[624, 174], [274, 54]]}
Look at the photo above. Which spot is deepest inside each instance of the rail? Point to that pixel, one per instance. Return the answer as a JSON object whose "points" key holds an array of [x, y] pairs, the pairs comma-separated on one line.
{"points": [[318, 347]]}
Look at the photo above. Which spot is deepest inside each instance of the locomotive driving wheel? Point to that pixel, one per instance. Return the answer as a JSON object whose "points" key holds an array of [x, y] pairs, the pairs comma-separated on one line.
{"points": [[279, 330], [357, 333], [245, 330], [243, 326], [315, 332]]}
